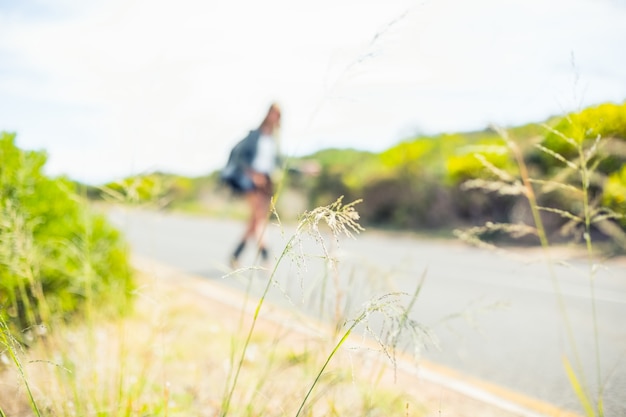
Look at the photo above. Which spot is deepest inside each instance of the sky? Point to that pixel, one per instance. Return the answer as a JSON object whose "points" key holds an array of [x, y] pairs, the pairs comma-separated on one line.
{"points": [[112, 88]]}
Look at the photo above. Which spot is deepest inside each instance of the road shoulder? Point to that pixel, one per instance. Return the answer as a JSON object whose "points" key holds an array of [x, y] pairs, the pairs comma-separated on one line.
{"points": [[441, 391]]}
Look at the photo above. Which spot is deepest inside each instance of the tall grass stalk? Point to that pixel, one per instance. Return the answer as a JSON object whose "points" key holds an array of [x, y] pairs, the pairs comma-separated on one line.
{"points": [[529, 193], [341, 219], [390, 308], [585, 172], [584, 167], [328, 359], [10, 347]]}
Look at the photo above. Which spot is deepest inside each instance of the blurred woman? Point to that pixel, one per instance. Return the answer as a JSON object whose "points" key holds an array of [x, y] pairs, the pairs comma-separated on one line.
{"points": [[249, 171]]}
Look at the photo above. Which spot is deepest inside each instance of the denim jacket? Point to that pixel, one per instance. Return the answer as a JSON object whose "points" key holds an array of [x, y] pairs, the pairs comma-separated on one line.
{"points": [[240, 160]]}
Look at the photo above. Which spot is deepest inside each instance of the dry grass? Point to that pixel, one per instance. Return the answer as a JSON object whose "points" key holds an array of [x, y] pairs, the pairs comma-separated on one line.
{"points": [[171, 357]]}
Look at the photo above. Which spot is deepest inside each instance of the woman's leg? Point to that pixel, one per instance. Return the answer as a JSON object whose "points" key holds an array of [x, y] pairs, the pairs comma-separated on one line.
{"points": [[250, 231], [259, 201], [261, 216]]}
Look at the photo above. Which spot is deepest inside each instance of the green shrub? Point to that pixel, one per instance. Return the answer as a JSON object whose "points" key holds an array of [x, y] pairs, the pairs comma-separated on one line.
{"points": [[146, 189], [607, 121], [343, 172], [614, 196], [57, 257], [469, 161], [422, 154], [407, 203]]}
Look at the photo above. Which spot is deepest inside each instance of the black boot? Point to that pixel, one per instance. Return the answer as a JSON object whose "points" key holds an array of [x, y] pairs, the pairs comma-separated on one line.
{"points": [[235, 256]]}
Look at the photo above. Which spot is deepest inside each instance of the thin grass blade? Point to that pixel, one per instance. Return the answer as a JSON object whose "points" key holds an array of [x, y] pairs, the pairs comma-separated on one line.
{"points": [[578, 389]]}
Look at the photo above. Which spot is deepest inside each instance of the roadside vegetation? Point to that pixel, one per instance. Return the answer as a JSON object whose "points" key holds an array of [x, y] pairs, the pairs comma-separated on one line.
{"points": [[59, 258], [60, 264]]}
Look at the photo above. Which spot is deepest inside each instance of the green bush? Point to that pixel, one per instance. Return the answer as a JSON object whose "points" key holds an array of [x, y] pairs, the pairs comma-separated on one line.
{"points": [[406, 203], [466, 162], [421, 154], [607, 121], [153, 188], [614, 196], [57, 257], [343, 172]]}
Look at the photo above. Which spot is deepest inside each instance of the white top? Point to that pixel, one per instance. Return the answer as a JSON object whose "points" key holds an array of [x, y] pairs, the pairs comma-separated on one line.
{"points": [[265, 159]]}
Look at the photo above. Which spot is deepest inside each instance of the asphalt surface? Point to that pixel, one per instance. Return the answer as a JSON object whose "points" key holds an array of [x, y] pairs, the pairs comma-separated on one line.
{"points": [[502, 318]]}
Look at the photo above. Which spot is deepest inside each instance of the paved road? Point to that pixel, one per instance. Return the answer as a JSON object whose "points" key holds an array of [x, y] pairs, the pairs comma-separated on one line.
{"points": [[493, 316]]}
